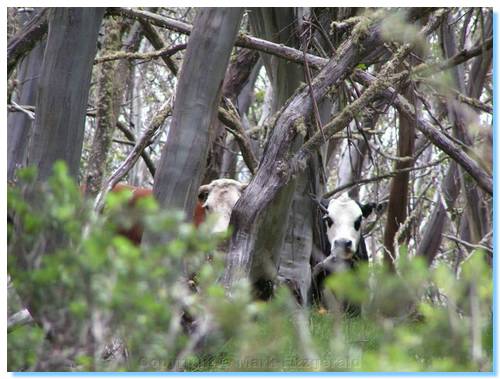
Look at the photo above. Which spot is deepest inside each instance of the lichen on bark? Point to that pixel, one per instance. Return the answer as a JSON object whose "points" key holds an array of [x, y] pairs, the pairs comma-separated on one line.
{"points": [[108, 98]]}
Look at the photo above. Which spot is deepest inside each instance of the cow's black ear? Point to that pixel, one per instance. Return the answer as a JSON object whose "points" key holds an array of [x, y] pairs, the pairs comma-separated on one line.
{"points": [[367, 209]]}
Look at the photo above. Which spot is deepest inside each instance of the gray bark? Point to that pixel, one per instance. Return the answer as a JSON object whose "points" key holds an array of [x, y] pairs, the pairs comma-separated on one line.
{"points": [[250, 215], [292, 237], [182, 163], [19, 124], [58, 135], [245, 98], [22, 43], [63, 89], [238, 74], [432, 235], [108, 100], [303, 241]]}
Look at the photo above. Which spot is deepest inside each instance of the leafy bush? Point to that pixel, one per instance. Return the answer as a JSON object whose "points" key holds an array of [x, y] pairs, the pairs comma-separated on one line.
{"points": [[92, 291]]}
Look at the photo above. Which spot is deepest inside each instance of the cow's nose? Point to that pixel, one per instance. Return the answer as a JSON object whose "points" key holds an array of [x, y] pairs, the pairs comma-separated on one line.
{"points": [[343, 243]]}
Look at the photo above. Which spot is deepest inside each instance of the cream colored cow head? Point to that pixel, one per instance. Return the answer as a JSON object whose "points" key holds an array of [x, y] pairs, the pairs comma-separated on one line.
{"points": [[218, 198]]}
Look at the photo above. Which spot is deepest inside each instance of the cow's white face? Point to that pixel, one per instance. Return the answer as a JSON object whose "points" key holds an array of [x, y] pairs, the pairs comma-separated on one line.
{"points": [[219, 198], [343, 223]]}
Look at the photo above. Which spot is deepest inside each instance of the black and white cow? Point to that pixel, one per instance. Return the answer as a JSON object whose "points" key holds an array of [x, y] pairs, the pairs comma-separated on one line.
{"points": [[344, 246]]}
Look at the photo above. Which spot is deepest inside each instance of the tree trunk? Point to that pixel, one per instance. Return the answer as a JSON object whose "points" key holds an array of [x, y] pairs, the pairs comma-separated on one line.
{"points": [[398, 197], [184, 155], [292, 236], [63, 89], [432, 235], [58, 135], [19, 124], [108, 101]]}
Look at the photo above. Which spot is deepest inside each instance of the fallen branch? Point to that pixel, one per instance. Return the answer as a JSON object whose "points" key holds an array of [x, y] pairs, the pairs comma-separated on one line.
{"points": [[475, 103], [30, 108]]}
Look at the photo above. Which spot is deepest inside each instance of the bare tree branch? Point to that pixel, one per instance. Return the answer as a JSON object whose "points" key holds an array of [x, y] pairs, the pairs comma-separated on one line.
{"points": [[289, 53], [18, 319], [425, 69], [468, 244], [30, 112], [230, 119], [26, 39], [145, 156], [25, 110], [484, 180], [379, 177], [158, 43], [127, 164], [243, 40], [162, 53]]}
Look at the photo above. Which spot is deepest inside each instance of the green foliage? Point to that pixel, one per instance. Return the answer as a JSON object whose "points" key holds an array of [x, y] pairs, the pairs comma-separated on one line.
{"points": [[426, 317], [22, 349], [91, 277]]}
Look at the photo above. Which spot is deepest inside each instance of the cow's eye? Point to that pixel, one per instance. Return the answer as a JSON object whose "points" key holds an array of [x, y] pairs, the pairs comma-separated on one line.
{"points": [[357, 223], [202, 196], [328, 220]]}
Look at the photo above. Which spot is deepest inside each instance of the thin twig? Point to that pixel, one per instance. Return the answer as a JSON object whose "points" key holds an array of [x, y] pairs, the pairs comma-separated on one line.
{"points": [[24, 110], [468, 244], [307, 72], [379, 177]]}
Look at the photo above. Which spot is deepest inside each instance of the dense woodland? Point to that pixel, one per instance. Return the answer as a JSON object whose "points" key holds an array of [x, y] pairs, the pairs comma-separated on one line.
{"points": [[392, 106]]}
